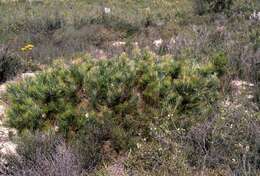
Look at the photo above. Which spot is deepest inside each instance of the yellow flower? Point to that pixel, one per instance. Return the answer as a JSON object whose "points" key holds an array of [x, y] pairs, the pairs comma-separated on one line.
{"points": [[27, 47], [30, 46]]}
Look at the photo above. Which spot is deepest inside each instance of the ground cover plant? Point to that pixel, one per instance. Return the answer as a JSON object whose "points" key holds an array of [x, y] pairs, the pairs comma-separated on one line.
{"points": [[121, 92]]}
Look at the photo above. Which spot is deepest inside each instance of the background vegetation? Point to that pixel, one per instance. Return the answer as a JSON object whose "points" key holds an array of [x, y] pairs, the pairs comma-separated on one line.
{"points": [[171, 104]]}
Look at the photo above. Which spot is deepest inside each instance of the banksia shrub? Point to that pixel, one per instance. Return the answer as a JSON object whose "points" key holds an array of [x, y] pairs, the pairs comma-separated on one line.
{"points": [[122, 96]]}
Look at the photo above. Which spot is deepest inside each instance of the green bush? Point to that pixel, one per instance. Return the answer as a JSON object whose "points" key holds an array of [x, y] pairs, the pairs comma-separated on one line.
{"points": [[122, 96], [220, 62], [203, 6], [10, 66]]}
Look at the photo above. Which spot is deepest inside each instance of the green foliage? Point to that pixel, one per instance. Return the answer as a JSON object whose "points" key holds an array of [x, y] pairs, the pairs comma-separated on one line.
{"points": [[10, 66], [220, 62], [203, 6], [39, 99], [122, 95]]}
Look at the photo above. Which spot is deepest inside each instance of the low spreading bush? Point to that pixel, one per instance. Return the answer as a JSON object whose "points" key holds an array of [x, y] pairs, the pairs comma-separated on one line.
{"points": [[122, 96]]}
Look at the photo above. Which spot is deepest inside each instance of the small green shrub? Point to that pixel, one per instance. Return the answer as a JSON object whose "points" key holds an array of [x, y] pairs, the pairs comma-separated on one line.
{"points": [[10, 66], [220, 62], [122, 95], [53, 92], [203, 6]]}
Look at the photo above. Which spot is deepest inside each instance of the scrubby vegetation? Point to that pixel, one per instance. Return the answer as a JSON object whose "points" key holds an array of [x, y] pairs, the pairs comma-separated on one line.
{"points": [[124, 96], [204, 6], [136, 104], [167, 87]]}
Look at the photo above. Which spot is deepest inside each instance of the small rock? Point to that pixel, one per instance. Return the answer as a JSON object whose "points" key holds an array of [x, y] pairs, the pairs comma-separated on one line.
{"points": [[56, 128], [2, 111], [3, 89], [250, 96], [158, 43], [250, 84], [8, 148], [28, 75], [255, 16], [107, 10], [119, 44], [172, 41]]}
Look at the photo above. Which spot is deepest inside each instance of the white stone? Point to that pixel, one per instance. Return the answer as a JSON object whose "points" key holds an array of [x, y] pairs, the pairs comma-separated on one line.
{"points": [[2, 111], [107, 10], [250, 96], [255, 16], [158, 43], [3, 89], [8, 148], [28, 75], [251, 85], [172, 41], [240, 85], [119, 44], [56, 128], [135, 44]]}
